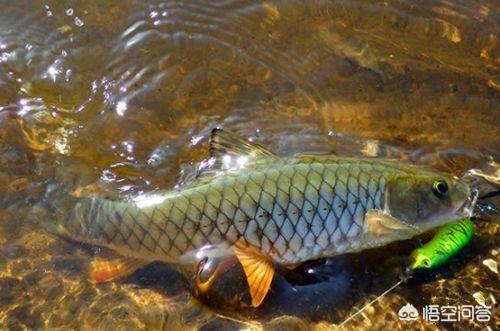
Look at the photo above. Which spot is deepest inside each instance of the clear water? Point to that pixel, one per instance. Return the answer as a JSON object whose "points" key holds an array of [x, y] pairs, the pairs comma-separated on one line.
{"points": [[123, 95]]}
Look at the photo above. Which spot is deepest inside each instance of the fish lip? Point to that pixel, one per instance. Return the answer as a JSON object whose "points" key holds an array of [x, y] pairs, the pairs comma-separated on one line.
{"points": [[466, 209]]}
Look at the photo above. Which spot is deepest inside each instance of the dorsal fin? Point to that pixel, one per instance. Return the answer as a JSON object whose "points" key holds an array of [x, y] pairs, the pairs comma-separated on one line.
{"points": [[229, 153], [227, 143]]}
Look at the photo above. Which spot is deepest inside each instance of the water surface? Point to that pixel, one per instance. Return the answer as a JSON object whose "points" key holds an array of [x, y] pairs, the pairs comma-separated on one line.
{"points": [[123, 95]]}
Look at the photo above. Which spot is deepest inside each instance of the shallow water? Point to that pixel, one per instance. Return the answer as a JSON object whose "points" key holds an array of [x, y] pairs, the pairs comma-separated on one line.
{"points": [[124, 96]]}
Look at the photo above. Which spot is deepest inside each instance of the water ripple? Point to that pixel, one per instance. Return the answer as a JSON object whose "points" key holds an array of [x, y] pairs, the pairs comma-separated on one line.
{"points": [[124, 95]]}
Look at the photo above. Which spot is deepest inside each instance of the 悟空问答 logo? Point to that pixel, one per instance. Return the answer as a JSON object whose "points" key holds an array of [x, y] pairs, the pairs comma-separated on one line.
{"points": [[408, 313]]}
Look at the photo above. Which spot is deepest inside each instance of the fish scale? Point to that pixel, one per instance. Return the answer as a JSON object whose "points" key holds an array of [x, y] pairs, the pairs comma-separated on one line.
{"points": [[293, 211]]}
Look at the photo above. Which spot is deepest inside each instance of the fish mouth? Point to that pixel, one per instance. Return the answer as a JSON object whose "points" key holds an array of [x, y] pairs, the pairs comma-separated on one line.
{"points": [[466, 209]]}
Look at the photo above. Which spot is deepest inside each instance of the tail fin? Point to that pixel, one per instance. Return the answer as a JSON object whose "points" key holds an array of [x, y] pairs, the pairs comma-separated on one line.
{"points": [[45, 204], [20, 202]]}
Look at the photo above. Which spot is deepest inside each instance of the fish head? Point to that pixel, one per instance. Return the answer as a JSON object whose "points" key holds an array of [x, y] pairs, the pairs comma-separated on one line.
{"points": [[427, 200]]}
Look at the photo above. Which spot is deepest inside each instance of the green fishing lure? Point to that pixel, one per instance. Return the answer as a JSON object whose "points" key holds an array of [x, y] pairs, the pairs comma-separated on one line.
{"points": [[448, 241]]}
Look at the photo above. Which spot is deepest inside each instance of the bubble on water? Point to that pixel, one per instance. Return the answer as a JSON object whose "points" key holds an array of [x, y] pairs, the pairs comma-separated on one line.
{"points": [[67, 75], [129, 146], [69, 11], [108, 176], [52, 71], [47, 10], [4, 56], [195, 140], [24, 107], [61, 145], [78, 22], [121, 107]]}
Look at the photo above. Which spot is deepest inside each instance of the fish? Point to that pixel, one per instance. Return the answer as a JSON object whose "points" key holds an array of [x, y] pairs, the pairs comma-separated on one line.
{"points": [[267, 211]]}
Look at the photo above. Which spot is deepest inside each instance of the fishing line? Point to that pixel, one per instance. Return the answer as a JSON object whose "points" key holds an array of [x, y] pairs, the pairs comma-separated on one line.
{"points": [[489, 195], [370, 303]]}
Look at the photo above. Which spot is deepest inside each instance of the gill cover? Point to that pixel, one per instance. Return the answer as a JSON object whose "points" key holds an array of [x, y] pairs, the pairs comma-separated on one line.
{"points": [[424, 200]]}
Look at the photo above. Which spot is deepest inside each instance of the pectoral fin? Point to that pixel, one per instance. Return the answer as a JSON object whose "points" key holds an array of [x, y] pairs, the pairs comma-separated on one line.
{"points": [[108, 268], [293, 266], [379, 222], [259, 271]]}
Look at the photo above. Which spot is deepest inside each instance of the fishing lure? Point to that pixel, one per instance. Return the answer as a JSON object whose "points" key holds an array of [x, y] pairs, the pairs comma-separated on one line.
{"points": [[446, 243]]}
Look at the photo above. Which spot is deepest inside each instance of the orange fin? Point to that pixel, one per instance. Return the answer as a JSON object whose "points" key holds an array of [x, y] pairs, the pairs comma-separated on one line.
{"points": [[293, 266], [258, 268], [106, 269]]}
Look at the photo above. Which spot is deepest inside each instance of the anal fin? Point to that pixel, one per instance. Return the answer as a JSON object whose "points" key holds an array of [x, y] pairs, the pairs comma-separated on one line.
{"points": [[108, 268], [258, 268]]}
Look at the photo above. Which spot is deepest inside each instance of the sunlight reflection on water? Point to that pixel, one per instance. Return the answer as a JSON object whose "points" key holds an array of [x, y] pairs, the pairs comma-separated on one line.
{"points": [[123, 96]]}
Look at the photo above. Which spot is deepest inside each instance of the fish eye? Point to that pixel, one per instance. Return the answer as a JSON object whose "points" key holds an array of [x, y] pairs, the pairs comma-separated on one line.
{"points": [[427, 263], [440, 188]]}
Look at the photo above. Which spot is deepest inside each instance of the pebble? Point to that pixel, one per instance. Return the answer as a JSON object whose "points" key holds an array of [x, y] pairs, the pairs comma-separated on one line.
{"points": [[479, 297], [491, 264]]}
